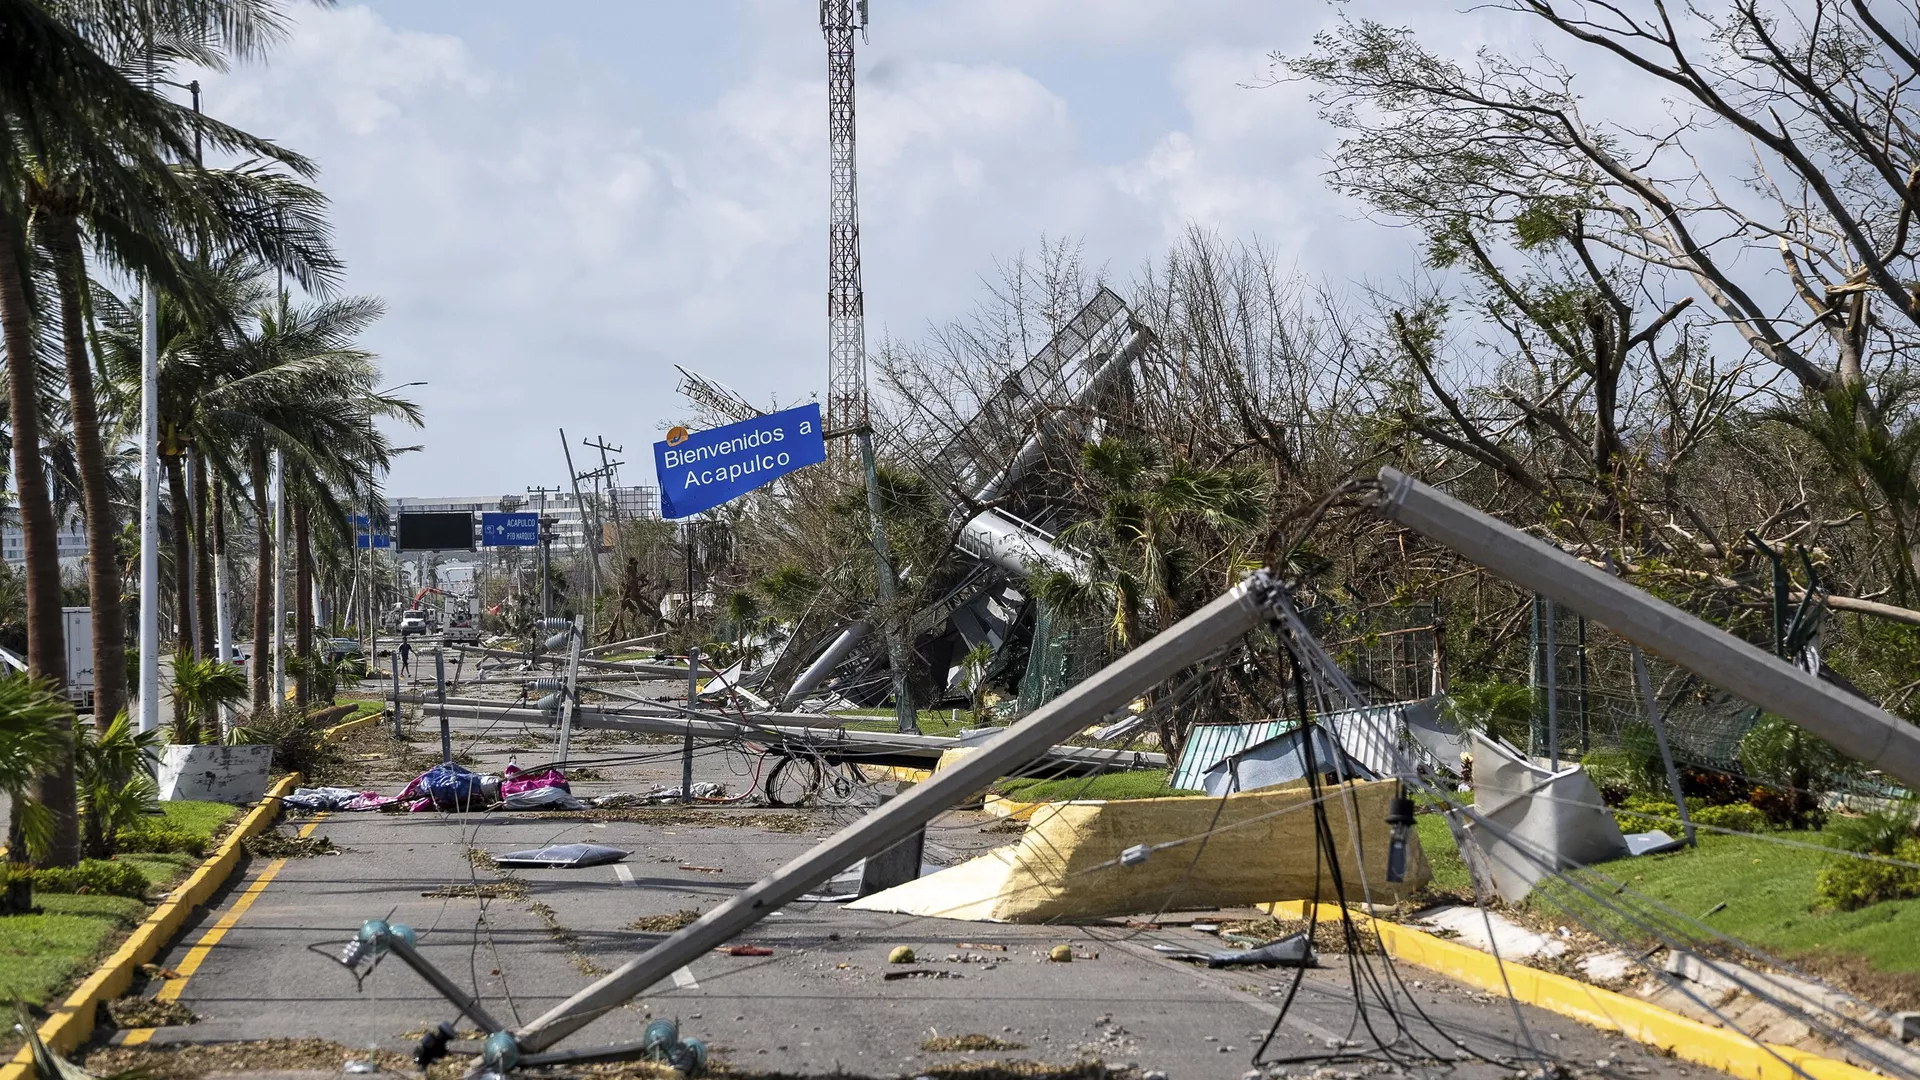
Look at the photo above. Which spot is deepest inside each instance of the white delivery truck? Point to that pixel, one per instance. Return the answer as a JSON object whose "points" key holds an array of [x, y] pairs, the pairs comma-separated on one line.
{"points": [[78, 628]]}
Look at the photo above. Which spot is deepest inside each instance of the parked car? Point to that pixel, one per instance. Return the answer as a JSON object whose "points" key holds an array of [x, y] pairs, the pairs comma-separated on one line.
{"points": [[341, 648]]}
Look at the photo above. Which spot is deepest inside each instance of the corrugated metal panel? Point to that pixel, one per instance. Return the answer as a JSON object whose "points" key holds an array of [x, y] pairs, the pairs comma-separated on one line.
{"points": [[1375, 736], [1208, 745]]}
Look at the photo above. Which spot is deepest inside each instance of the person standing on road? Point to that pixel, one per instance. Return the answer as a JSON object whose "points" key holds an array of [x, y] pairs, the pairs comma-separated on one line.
{"points": [[406, 656]]}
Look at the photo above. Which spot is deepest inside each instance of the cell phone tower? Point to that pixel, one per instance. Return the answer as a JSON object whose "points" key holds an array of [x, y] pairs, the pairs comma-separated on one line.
{"points": [[846, 308]]}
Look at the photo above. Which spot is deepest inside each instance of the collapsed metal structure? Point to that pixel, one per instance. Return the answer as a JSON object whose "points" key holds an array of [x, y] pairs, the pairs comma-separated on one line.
{"points": [[999, 501], [1859, 728]]}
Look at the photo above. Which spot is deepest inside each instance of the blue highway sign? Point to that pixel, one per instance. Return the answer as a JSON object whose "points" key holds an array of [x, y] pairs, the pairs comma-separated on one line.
{"points": [[699, 471], [364, 539], [509, 530]]}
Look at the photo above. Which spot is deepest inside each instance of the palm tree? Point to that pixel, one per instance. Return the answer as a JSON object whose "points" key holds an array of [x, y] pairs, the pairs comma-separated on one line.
{"points": [[284, 378], [79, 137], [36, 732], [205, 686], [115, 780], [197, 302], [1147, 514]]}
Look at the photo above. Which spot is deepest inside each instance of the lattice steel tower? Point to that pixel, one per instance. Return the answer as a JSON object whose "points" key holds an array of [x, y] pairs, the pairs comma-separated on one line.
{"points": [[846, 309]]}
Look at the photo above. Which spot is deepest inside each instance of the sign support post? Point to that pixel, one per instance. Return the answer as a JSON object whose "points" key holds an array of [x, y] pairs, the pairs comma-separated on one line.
{"points": [[906, 719]]}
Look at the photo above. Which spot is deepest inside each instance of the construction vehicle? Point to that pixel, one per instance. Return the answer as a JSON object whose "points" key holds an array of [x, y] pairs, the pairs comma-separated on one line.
{"points": [[456, 624]]}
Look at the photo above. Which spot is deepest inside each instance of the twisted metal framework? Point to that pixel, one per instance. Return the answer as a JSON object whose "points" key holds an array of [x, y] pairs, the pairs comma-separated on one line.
{"points": [[846, 307], [715, 402]]}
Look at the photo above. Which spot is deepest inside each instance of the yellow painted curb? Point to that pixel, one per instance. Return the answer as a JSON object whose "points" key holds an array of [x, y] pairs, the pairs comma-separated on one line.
{"points": [[1003, 807], [1685, 1038], [339, 731], [72, 1023]]}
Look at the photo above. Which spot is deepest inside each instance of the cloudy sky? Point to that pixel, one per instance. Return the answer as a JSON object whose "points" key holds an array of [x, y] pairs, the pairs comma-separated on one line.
{"points": [[558, 202]]}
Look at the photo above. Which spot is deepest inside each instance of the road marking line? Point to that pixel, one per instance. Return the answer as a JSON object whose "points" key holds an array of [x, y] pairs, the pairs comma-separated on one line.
{"points": [[684, 980], [197, 955], [626, 876]]}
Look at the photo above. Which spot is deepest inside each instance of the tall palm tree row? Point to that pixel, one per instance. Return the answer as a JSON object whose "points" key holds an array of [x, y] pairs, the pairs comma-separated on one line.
{"points": [[283, 378], [96, 166]]}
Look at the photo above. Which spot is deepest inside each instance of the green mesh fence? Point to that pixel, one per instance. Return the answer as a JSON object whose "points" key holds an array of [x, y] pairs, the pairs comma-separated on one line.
{"points": [[1064, 652]]}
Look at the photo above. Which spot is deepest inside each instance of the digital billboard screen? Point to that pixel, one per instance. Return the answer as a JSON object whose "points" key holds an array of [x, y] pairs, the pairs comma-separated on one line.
{"points": [[449, 531]]}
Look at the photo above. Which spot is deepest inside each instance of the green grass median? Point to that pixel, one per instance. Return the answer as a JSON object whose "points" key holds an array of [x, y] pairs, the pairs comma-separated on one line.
{"points": [[44, 953], [1755, 888]]}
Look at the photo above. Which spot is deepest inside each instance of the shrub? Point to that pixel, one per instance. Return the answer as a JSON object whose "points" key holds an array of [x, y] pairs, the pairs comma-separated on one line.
{"points": [[1713, 787], [97, 877], [1877, 832], [1849, 883], [113, 776], [1642, 812], [1503, 710], [299, 744], [163, 840], [1639, 813], [1790, 760], [1739, 817], [1611, 772]]}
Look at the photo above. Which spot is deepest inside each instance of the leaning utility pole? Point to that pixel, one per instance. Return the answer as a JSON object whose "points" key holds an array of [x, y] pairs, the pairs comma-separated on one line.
{"points": [[589, 534], [599, 442], [846, 323]]}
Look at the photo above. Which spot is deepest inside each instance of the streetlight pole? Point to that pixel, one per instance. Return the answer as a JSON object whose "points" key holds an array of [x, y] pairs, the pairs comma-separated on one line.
{"points": [[149, 507], [149, 696], [279, 578]]}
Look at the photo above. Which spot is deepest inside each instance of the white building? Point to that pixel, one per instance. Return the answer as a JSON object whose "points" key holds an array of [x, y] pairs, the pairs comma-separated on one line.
{"points": [[72, 535]]}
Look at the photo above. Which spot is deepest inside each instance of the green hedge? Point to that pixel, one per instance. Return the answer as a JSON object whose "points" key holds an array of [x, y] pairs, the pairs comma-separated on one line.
{"points": [[96, 877]]}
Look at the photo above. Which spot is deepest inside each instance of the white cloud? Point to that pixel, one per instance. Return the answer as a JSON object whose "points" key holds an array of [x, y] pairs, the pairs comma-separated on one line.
{"points": [[551, 235]]}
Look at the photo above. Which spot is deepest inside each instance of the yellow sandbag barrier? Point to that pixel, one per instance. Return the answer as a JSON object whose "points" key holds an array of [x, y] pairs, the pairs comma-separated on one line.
{"points": [[1261, 849]]}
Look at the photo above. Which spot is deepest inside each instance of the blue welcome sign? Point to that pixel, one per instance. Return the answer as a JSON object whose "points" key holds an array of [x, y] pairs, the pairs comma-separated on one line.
{"points": [[700, 470]]}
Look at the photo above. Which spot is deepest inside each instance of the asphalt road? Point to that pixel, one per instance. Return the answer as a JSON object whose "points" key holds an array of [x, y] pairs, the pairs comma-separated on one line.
{"points": [[821, 1003]]}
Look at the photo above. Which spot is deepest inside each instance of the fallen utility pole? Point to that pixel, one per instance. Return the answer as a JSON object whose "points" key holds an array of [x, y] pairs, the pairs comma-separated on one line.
{"points": [[803, 732], [616, 646], [1860, 729], [1187, 642], [637, 667]]}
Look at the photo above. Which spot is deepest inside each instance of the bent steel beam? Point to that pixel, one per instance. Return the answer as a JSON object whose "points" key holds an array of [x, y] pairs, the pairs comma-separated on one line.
{"points": [[1187, 642], [824, 664], [1859, 728]]}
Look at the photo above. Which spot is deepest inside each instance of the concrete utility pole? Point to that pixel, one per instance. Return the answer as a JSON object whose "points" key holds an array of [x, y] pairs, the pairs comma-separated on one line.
{"points": [[1858, 728], [599, 442], [546, 578], [693, 702]]}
